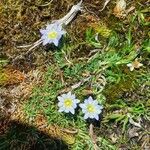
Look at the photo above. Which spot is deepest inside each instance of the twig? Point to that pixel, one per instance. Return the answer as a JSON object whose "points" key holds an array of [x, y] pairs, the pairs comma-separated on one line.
{"points": [[29, 50], [76, 85], [93, 137], [70, 131], [70, 15], [97, 51], [26, 46], [46, 4], [105, 4], [94, 51]]}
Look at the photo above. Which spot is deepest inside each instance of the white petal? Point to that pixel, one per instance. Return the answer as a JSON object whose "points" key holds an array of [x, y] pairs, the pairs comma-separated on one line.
{"points": [[55, 42], [90, 98], [61, 109], [96, 117], [64, 96], [73, 96], [85, 116], [91, 115], [98, 107], [95, 102], [72, 111], [63, 32], [42, 31], [50, 26], [60, 104], [59, 28], [86, 101], [75, 101], [98, 111], [66, 110], [69, 94], [84, 111], [46, 41], [82, 105], [60, 99], [74, 105]]}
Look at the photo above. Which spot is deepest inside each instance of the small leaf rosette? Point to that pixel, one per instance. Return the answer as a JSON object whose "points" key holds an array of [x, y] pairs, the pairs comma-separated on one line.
{"points": [[67, 103], [91, 108], [52, 34]]}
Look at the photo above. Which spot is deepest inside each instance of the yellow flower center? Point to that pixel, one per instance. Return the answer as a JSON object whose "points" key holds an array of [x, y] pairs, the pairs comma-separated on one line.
{"points": [[68, 102], [90, 108], [52, 35]]}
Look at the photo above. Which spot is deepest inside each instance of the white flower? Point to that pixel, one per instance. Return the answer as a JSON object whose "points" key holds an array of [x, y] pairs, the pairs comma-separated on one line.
{"points": [[91, 109], [67, 103], [135, 64], [52, 34]]}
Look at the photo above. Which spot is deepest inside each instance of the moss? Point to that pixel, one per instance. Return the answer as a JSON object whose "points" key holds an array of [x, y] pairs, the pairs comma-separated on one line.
{"points": [[3, 77], [116, 90], [10, 76]]}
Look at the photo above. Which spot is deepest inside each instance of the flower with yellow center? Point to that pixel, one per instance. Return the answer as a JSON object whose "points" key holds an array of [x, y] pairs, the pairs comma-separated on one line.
{"points": [[52, 34], [91, 108], [67, 103]]}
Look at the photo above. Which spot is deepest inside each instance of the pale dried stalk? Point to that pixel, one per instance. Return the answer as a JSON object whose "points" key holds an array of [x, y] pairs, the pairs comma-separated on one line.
{"points": [[105, 4], [70, 15], [93, 137]]}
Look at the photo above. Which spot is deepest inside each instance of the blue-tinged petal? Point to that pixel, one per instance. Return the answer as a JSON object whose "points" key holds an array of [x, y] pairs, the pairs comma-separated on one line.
{"points": [[60, 99], [96, 117], [95, 102], [42, 31], [72, 110], [73, 96], [90, 101], [99, 111], [60, 104], [98, 107], [61, 109], [84, 111], [86, 116], [75, 101], [63, 32], [64, 96], [90, 98], [69, 95], [86, 101], [55, 41], [82, 105], [45, 41], [50, 26], [66, 110], [91, 115], [44, 37], [74, 105]]}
